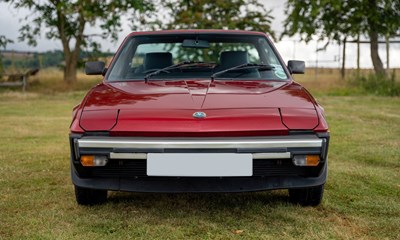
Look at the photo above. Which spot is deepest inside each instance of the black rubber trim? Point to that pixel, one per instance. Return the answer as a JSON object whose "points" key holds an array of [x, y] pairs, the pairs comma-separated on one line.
{"points": [[177, 185], [97, 133], [300, 132], [326, 137], [73, 137]]}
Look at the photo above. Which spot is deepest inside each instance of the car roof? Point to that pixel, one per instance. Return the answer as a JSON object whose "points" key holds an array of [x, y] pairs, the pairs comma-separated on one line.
{"points": [[194, 31]]}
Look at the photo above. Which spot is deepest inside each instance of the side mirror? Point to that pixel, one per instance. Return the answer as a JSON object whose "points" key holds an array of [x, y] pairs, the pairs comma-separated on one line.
{"points": [[296, 67], [94, 68]]}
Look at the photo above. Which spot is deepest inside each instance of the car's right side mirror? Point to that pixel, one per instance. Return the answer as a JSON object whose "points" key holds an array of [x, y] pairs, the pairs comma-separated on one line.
{"points": [[296, 67], [94, 68]]}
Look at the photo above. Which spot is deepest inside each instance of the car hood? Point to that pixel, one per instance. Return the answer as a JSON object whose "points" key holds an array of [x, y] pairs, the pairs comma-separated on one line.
{"points": [[170, 105]]}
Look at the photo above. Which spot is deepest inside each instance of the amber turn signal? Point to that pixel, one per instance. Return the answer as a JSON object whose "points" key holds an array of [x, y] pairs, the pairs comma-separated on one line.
{"points": [[312, 160], [93, 160], [87, 160], [306, 160]]}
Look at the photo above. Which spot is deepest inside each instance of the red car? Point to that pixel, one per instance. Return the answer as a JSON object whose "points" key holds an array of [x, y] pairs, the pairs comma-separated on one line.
{"points": [[198, 111]]}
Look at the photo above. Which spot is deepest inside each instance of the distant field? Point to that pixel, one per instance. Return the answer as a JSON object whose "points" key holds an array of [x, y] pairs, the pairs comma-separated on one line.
{"points": [[37, 199], [329, 81]]}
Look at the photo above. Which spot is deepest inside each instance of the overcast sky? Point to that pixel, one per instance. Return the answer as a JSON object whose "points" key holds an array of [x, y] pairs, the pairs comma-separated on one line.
{"points": [[290, 48]]}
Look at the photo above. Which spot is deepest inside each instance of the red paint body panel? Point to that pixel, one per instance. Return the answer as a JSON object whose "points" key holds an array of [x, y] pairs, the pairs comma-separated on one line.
{"points": [[222, 120], [323, 125], [189, 31], [103, 120], [168, 106], [206, 95], [75, 127], [299, 118]]}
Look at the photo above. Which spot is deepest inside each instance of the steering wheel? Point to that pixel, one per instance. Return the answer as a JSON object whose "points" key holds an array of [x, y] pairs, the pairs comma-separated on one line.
{"points": [[154, 70]]}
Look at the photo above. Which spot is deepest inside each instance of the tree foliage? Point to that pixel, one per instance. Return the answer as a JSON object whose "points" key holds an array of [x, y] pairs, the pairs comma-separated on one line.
{"points": [[217, 14], [339, 19], [4, 41], [67, 20]]}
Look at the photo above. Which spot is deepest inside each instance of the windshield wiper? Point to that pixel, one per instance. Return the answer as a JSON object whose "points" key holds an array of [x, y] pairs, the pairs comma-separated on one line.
{"points": [[178, 65], [263, 67]]}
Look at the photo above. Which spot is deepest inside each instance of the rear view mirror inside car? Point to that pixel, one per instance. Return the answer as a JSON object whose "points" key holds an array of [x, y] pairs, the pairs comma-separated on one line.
{"points": [[195, 43]]}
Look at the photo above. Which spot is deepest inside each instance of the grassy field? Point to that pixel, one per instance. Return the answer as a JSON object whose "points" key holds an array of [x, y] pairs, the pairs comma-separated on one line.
{"points": [[37, 199]]}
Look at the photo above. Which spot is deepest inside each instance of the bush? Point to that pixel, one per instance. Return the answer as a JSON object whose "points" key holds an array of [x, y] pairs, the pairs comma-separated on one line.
{"points": [[377, 84]]}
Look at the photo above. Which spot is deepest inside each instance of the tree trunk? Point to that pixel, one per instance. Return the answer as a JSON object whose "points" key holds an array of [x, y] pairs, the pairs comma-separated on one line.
{"points": [[344, 58], [1, 67], [70, 69], [387, 54], [70, 73], [373, 23], [358, 55], [376, 60], [71, 56]]}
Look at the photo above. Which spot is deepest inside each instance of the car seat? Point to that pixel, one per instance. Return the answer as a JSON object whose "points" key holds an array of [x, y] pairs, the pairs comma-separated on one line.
{"points": [[154, 61], [229, 59]]}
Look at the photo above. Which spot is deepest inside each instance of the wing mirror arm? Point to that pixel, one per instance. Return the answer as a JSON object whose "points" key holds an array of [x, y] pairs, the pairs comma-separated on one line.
{"points": [[104, 71]]}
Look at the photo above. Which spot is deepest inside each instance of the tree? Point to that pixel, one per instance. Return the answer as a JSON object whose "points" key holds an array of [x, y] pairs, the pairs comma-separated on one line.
{"points": [[217, 14], [3, 44], [66, 21], [339, 19]]}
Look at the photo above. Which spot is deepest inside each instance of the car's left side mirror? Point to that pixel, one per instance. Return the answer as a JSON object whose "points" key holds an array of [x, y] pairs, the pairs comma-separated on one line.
{"points": [[94, 68], [296, 67]]}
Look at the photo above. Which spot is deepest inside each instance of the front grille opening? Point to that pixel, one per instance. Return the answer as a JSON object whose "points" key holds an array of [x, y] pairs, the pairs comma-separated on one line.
{"points": [[261, 168]]}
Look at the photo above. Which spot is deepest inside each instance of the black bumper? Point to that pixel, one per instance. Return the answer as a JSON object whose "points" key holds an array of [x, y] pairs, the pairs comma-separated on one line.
{"points": [[267, 175], [176, 185]]}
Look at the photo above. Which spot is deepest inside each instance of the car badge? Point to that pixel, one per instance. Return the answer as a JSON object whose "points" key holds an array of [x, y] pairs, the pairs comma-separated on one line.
{"points": [[199, 115]]}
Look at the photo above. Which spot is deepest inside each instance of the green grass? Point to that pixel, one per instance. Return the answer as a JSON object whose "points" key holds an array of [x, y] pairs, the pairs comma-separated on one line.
{"points": [[328, 81], [362, 197]]}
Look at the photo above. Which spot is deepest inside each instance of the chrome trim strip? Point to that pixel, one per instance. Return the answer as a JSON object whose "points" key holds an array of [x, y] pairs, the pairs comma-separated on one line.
{"points": [[193, 144], [284, 155], [137, 156], [132, 156]]}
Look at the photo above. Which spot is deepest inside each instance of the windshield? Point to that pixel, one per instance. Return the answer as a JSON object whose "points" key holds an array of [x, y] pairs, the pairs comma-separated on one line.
{"points": [[196, 56]]}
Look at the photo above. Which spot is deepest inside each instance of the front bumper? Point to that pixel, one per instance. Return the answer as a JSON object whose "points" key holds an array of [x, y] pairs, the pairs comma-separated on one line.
{"points": [[273, 167]]}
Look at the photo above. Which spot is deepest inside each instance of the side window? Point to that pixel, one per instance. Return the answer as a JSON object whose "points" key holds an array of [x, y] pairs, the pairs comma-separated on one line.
{"points": [[121, 65], [137, 60], [271, 57]]}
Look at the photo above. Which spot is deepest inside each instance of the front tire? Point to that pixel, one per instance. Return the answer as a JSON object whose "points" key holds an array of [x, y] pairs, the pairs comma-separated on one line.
{"points": [[87, 196], [311, 196]]}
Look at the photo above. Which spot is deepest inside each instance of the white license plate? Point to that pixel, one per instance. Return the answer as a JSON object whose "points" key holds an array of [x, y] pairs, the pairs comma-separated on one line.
{"points": [[199, 164]]}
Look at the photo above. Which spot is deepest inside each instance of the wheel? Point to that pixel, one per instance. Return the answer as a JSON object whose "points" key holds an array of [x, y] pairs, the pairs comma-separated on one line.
{"points": [[87, 196], [311, 196]]}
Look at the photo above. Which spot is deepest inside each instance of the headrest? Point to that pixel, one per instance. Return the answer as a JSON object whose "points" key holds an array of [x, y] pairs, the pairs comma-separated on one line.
{"points": [[157, 60], [230, 59]]}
